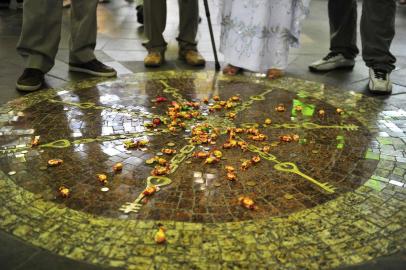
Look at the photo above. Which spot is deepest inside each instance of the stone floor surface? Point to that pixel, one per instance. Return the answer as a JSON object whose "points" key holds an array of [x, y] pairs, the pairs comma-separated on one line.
{"points": [[332, 198]]}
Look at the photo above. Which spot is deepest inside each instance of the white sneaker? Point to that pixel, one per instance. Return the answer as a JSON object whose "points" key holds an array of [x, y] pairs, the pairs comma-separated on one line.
{"points": [[379, 81], [332, 61]]}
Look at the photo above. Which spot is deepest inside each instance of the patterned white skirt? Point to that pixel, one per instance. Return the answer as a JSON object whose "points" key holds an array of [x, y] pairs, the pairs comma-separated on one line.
{"points": [[256, 34]]}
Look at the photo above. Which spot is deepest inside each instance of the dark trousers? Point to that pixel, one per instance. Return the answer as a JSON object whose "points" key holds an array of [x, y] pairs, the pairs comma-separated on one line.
{"points": [[377, 30], [41, 32], [155, 22]]}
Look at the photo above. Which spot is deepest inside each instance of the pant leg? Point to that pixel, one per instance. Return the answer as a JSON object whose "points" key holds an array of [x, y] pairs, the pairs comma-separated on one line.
{"points": [[377, 33], [41, 33], [188, 23], [343, 27], [83, 32], [154, 24]]}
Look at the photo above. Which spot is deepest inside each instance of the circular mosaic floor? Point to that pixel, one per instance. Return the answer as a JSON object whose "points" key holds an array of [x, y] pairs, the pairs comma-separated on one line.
{"points": [[325, 168]]}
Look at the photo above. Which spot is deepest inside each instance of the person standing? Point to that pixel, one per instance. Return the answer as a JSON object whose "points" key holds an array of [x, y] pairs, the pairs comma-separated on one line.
{"points": [[377, 33], [256, 34], [154, 26], [40, 36]]}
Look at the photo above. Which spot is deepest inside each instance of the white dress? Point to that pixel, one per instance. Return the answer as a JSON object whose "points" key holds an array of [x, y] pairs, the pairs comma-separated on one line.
{"points": [[256, 34]]}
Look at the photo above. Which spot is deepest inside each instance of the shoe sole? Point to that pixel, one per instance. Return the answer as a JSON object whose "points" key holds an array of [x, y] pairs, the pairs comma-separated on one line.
{"points": [[380, 92], [153, 65], [91, 72], [28, 88], [375, 92], [313, 69]]}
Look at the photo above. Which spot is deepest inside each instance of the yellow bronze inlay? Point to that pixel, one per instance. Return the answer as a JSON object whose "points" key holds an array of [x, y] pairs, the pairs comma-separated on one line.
{"points": [[159, 181], [135, 206], [290, 167]]}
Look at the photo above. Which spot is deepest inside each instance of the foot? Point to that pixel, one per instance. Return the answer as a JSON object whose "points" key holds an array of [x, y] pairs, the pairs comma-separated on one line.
{"points": [[31, 80], [231, 70], [379, 81], [94, 67], [332, 61], [274, 73], [192, 57], [154, 59]]}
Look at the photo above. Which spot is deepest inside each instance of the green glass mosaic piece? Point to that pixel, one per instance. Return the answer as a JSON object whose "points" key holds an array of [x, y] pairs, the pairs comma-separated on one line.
{"points": [[376, 185], [384, 140], [372, 155], [307, 109], [387, 157], [399, 171], [379, 178], [341, 142]]}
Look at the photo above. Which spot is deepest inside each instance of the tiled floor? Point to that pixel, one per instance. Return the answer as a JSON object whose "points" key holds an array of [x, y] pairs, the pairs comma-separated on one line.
{"points": [[354, 220]]}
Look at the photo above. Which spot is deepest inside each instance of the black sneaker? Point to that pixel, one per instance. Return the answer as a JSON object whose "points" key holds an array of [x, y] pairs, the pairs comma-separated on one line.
{"points": [[94, 67], [31, 80]]}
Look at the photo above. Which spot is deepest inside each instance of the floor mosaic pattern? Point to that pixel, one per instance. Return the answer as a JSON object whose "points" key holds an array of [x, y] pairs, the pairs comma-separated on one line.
{"points": [[324, 167]]}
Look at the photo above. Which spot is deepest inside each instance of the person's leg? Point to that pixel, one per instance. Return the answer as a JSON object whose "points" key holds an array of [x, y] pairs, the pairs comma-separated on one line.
{"points": [[40, 34], [39, 40], [83, 31], [154, 24], [343, 27], [343, 36], [154, 27], [83, 40], [188, 25], [377, 33]]}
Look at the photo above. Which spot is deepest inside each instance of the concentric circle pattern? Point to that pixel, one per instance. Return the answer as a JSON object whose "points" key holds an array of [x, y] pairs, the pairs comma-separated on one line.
{"points": [[327, 176]]}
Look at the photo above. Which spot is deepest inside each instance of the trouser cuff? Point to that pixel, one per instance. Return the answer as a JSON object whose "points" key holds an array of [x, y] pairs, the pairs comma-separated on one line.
{"points": [[38, 61], [186, 45], [82, 56], [348, 53], [382, 66], [155, 48]]}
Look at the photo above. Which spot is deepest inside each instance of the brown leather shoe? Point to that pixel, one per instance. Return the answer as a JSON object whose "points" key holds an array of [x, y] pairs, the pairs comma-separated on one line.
{"points": [[154, 59], [192, 57]]}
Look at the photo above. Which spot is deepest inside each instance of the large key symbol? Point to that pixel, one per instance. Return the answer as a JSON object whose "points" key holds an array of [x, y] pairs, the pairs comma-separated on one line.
{"points": [[292, 168], [158, 181]]}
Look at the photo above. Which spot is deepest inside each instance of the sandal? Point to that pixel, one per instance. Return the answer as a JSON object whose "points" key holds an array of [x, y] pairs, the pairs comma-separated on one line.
{"points": [[231, 70], [274, 74]]}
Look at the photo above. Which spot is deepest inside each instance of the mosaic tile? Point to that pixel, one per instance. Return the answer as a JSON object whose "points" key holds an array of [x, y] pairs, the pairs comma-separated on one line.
{"points": [[333, 198]]}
